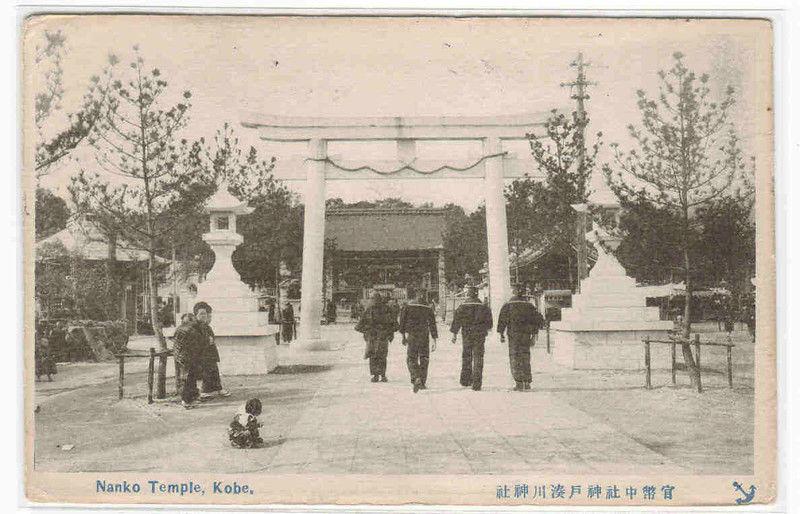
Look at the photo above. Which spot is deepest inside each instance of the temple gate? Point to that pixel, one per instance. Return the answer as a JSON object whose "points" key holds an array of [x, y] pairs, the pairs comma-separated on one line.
{"points": [[493, 166]]}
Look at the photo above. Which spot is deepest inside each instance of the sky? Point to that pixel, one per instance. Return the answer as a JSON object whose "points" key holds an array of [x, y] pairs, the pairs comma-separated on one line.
{"points": [[405, 67]]}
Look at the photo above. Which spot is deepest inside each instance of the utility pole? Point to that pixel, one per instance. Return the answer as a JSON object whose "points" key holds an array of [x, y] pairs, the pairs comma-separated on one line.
{"points": [[174, 269], [579, 93]]}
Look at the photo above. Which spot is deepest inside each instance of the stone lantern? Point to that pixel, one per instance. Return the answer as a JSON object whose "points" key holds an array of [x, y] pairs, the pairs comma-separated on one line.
{"points": [[245, 340], [222, 209], [609, 317]]}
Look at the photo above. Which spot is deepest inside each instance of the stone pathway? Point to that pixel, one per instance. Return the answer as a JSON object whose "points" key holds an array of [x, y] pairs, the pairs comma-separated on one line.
{"points": [[355, 426], [323, 415]]}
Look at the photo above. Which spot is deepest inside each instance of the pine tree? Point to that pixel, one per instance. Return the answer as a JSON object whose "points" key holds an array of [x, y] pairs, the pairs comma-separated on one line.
{"points": [[688, 156], [55, 143], [137, 141]]}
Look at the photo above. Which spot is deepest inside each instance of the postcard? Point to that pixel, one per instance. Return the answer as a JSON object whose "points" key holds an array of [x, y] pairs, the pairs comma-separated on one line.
{"points": [[390, 260]]}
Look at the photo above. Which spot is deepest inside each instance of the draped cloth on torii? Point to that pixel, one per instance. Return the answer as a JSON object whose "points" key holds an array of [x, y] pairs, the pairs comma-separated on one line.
{"points": [[317, 167]]}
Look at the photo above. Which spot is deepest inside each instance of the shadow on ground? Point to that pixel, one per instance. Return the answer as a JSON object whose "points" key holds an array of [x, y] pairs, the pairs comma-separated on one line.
{"points": [[299, 369]]}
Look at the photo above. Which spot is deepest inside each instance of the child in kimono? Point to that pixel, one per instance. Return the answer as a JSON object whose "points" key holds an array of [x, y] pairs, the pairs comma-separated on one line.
{"points": [[243, 431]]}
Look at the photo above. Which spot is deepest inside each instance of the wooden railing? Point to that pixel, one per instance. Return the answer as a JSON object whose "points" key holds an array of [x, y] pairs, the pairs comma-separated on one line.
{"points": [[133, 354], [675, 366], [547, 332]]}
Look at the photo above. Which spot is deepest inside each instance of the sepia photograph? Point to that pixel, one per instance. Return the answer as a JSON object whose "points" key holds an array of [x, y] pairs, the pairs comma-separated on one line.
{"points": [[392, 260]]}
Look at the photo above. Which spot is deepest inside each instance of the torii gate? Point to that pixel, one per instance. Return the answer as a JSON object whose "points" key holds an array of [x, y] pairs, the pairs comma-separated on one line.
{"points": [[318, 167]]}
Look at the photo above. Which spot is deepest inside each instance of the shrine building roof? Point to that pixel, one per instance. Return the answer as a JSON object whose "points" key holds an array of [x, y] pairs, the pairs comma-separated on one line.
{"points": [[375, 230]]}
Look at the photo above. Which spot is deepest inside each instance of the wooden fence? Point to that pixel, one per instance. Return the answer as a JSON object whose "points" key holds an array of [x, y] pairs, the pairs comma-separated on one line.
{"points": [[697, 356], [151, 355]]}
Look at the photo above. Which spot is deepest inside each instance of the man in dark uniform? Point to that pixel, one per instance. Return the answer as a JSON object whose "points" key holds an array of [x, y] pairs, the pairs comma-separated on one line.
{"points": [[395, 307], [209, 355], [378, 324], [522, 321], [474, 320], [417, 322]]}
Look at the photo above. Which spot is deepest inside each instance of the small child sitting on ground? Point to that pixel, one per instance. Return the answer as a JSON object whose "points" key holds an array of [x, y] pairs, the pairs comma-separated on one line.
{"points": [[243, 432]]}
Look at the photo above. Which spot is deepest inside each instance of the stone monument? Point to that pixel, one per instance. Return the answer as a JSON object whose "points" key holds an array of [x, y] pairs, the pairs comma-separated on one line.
{"points": [[246, 342], [608, 319]]}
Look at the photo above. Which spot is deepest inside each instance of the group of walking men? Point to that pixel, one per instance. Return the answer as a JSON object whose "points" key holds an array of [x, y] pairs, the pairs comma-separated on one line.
{"points": [[197, 357], [416, 323]]}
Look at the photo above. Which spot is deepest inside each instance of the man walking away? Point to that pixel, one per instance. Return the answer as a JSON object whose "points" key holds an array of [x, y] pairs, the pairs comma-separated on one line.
{"points": [[474, 320], [417, 322], [186, 355], [378, 325], [520, 319], [209, 355]]}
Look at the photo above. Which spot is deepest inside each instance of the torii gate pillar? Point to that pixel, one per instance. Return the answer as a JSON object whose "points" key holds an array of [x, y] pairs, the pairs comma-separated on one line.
{"points": [[496, 227], [308, 334]]}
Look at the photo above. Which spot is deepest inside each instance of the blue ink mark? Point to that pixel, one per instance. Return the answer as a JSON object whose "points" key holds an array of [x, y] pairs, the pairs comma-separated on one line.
{"points": [[748, 495]]}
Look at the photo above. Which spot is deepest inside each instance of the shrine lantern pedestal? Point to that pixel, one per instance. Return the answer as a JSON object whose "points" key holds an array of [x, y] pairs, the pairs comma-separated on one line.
{"points": [[245, 340], [605, 326]]}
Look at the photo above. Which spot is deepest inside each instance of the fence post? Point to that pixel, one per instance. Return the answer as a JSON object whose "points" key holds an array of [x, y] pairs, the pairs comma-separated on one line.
{"points": [[730, 368], [548, 337], [647, 382], [697, 361], [150, 368], [672, 351], [121, 359], [177, 375]]}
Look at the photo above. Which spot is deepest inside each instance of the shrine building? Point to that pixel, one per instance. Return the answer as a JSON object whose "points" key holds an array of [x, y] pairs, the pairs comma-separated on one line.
{"points": [[395, 251]]}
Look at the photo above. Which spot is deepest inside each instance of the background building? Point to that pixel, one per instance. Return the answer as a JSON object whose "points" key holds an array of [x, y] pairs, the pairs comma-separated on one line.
{"points": [[393, 250]]}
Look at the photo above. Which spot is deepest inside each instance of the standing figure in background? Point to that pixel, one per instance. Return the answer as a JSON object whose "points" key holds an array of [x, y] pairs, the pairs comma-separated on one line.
{"points": [[678, 327], [43, 355], [185, 349], [58, 340], [522, 321], [330, 311], [474, 320], [417, 323], [287, 323], [209, 355], [378, 325]]}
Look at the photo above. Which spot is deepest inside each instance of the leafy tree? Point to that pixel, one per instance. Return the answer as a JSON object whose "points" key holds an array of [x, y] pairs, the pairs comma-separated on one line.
{"points": [[465, 246], [687, 157], [52, 144], [382, 203], [650, 248], [393, 203], [137, 140], [728, 233], [49, 59], [52, 213]]}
